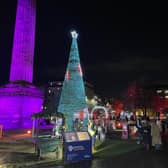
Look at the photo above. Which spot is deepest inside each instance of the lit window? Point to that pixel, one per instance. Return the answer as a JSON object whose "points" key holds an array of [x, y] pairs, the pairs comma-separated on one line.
{"points": [[49, 91], [166, 91], [59, 83], [159, 91]]}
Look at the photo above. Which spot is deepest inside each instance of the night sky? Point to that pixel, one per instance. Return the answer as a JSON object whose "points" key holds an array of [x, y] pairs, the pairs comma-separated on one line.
{"points": [[117, 45]]}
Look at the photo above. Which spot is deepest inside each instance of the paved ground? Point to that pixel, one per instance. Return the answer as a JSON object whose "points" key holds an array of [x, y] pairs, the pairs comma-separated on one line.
{"points": [[18, 151], [135, 159]]}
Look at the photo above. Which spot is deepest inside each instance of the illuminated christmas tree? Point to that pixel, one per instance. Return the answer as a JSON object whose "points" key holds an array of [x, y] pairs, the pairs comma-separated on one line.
{"points": [[72, 101]]}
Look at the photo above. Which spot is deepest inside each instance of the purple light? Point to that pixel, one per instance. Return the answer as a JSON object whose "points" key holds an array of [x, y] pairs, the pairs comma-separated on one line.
{"points": [[23, 44], [17, 104], [20, 99]]}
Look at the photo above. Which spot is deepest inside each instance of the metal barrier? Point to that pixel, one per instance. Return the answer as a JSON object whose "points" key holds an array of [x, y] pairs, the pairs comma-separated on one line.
{"points": [[1, 127]]}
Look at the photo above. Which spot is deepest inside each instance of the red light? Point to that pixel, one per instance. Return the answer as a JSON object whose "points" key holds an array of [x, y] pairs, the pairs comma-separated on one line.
{"points": [[119, 124], [29, 131]]}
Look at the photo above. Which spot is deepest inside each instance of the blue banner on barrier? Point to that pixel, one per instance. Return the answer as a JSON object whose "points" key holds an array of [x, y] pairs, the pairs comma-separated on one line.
{"points": [[77, 146]]}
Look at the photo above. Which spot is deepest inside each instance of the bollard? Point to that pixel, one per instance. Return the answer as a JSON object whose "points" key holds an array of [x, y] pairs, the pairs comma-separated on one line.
{"points": [[1, 131]]}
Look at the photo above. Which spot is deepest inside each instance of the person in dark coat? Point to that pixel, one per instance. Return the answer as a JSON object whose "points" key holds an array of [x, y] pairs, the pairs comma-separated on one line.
{"points": [[147, 134], [140, 129]]}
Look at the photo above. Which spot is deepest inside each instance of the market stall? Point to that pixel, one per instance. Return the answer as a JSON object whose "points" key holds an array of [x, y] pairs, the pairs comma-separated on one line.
{"points": [[47, 133]]}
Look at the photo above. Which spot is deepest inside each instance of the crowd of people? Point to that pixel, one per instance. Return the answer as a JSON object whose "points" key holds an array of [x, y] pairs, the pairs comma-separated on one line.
{"points": [[152, 133]]}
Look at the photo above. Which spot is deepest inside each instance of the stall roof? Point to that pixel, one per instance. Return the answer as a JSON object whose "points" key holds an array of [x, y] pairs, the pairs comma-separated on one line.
{"points": [[47, 115]]}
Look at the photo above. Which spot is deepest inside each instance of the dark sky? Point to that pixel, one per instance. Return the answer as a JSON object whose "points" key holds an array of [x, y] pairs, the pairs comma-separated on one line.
{"points": [[117, 44]]}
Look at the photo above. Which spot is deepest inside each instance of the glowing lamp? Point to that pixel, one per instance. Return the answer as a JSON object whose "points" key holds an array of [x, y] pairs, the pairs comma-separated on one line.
{"points": [[119, 124], [29, 132]]}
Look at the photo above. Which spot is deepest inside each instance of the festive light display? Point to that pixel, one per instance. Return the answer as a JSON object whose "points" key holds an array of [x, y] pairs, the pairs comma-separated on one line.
{"points": [[72, 101], [20, 99]]}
